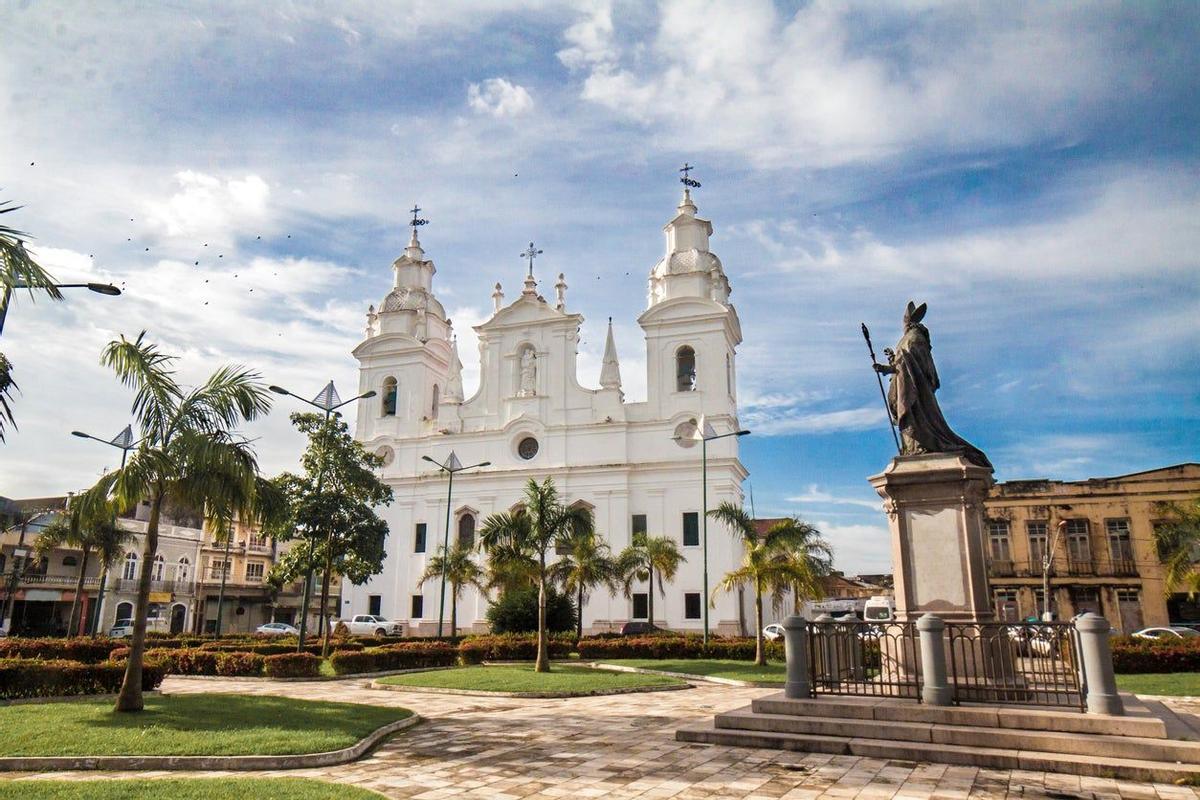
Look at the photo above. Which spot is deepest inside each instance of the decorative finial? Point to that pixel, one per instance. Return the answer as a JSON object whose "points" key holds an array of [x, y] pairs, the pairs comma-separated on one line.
{"points": [[417, 221], [497, 297], [531, 253], [561, 289], [686, 180]]}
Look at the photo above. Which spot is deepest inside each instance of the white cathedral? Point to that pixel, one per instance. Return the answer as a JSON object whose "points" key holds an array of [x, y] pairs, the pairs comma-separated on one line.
{"points": [[632, 463]]}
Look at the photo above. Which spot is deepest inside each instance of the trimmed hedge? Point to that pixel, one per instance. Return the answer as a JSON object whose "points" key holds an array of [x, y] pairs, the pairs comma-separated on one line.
{"points": [[406, 655], [512, 647], [1136, 656], [292, 665], [21, 678], [659, 646], [81, 648], [197, 661]]}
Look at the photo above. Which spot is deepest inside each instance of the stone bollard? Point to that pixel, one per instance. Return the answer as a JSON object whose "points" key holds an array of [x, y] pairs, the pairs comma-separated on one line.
{"points": [[826, 656], [1096, 655], [795, 648], [935, 688]]}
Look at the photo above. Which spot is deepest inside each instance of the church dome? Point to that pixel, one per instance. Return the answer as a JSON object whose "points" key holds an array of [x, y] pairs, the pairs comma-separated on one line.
{"points": [[412, 298], [685, 261]]}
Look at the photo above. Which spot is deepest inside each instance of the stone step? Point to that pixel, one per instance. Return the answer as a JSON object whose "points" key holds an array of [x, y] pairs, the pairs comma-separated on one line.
{"points": [[940, 753], [1083, 744], [1138, 721]]}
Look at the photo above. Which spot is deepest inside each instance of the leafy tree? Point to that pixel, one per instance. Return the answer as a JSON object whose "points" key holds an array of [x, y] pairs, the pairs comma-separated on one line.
{"points": [[91, 529], [516, 611], [1178, 545], [543, 523], [16, 268], [511, 567], [460, 571], [190, 455], [342, 533], [586, 564], [645, 556], [789, 555]]}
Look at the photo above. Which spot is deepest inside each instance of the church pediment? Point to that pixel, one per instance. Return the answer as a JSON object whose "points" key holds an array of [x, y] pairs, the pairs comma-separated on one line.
{"points": [[387, 344], [525, 311]]}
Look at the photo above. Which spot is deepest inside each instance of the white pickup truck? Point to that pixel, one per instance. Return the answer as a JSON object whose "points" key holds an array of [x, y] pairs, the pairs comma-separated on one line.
{"points": [[369, 625]]}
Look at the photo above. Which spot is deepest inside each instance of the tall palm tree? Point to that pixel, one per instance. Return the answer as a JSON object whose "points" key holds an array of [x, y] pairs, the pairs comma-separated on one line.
{"points": [[190, 455], [89, 530], [586, 563], [790, 555], [460, 571], [511, 566], [543, 523], [644, 557], [1178, 545]]}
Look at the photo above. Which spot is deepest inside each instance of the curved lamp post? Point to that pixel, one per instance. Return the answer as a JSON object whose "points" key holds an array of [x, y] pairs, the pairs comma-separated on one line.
{"points": [[328, 402], [451, 466], [98, 288]]}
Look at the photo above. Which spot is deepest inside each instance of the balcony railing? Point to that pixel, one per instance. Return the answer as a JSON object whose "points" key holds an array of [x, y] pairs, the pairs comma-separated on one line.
{"points": [[36, 579], [998, 568]]}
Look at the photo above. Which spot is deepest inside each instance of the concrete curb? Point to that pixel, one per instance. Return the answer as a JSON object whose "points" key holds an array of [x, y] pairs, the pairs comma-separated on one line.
{"points": [[528, 695], [687, 676], [319, 679], [252, 762]]}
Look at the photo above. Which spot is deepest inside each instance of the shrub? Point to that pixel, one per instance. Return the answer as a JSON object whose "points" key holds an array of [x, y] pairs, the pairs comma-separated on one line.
{"points": [[81, 648], [292, 665], [516, 611], [512, 647], [406, 655], [240, 664], [1133, 656], [181, 660], [675, 646], [21, 678]]}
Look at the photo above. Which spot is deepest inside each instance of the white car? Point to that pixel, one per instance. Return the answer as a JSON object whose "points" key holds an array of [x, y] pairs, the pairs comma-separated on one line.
{"points": [[773, 631], [370, 625], [1166, 634], [121, 629], [277, 629]]}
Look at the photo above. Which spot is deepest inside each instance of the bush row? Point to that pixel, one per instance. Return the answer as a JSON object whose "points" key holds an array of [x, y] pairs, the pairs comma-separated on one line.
{"points": [[737, 648], [512, 647], [80, 648], [406, 655], [1132, 656], [21, 677]]}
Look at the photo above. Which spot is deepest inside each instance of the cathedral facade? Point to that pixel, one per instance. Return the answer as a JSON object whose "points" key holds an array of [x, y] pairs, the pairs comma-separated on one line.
{"points": [[635, 464]]}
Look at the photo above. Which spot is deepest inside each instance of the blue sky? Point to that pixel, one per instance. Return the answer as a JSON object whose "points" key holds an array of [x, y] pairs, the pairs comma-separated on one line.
{"points": [[1029, 170]]}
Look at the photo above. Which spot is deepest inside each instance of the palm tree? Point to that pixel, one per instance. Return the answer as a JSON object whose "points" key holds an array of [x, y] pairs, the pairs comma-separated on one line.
{"points": [[511, 566], [189, 456], [543, 523], [266, 505], [789, 555], [460, 571], [645, 556], [586, 564], [1178, 545], [89, 530]]}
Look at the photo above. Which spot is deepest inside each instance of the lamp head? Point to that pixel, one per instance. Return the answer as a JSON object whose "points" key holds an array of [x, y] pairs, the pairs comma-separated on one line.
{"points": [[80, 434], [742, 433], [104, 288], [278, 389], [484, 464], [367, 394], [430, 460]]}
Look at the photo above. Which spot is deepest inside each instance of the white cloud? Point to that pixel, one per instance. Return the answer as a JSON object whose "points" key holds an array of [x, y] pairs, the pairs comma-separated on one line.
{"points": [[590, 39], [499, 98], [210, 207], [813, 495], [782, 422]]}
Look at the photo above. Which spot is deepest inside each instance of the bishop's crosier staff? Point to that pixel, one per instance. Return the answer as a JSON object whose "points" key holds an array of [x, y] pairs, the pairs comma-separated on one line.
{"points": [[891, 422]]}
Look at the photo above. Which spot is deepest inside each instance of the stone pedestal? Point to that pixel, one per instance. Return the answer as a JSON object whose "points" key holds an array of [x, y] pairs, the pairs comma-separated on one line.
{"points": [[934, 505]]}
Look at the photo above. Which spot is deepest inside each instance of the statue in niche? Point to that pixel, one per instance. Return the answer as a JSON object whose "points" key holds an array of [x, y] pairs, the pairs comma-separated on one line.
{"points": [[911, 397], [528, 387]]}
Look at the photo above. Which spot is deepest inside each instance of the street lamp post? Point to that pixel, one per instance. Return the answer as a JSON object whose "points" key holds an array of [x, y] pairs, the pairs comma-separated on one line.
{"points": [[124, 442], [99, 288], [704, 434], [451, 466], [329, 402]]}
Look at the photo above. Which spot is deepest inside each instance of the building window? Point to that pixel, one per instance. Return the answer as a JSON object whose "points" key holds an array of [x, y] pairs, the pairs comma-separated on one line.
{"points": [[1038, 542], [70, 561], [418, 606], [691, 605], [685, 369], [691, 529], [433, 414], [998, 539], [729, 374], [527, 448], [2, 562], [641, 605], [639, 524], [160, 566], [182, 570], [389, 397], [1006, 605], [130, 571], [466, 530], [1120, 547], [1086, 598], [218, 570], [1079, 548], [419, 537], [1129, 595], [375, 605], [254, 572], [124, 610]]}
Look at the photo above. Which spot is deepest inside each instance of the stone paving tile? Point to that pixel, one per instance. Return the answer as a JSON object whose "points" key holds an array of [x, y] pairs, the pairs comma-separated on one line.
{"points": [[622, 747]]}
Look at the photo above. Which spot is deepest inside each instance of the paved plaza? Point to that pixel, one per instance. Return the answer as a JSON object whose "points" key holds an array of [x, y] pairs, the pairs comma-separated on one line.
{"points": [[623, 747]]}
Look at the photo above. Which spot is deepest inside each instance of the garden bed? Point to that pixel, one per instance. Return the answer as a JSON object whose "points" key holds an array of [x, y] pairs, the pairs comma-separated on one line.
{"points": [[512, 680], [738, 673], [184, 789]]}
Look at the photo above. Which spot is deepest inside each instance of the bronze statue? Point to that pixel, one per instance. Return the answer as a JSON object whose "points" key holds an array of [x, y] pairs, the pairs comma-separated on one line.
{"points": [[911, 399]]}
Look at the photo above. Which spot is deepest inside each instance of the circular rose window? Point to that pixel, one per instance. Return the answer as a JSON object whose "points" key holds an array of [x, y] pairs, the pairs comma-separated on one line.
{"points": [[685, 433], [388, 455], [527, 448]]}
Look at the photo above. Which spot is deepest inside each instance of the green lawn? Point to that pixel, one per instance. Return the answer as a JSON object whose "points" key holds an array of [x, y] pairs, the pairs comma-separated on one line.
{"points": [[1167, 683], [183, 789], [188, 724], [511, 678], [709, 667]]}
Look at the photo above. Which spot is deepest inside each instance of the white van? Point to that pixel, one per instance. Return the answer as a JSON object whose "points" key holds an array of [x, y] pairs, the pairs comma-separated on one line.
{"points": [[880, 608]]}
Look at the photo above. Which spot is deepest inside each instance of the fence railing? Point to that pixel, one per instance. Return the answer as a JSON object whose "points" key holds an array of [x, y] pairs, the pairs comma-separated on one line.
{"points": [[1023, 663], [861, 658]]}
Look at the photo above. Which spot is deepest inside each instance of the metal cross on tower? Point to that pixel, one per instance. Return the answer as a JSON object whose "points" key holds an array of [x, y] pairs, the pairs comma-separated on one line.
{"points": [[416, 221], [531, 254], [685, 180]]}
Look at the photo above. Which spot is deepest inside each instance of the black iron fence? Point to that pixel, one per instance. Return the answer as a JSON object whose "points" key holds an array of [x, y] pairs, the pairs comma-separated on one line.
{"points": [[864, 658]]}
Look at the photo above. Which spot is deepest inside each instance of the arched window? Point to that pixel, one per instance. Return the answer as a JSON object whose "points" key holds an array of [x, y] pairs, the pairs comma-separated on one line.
{"points": [[130, 571], [685, 369], [466, 530], [182, 570], [124, 610], [389, 397], [436, 400], [160, 565]]}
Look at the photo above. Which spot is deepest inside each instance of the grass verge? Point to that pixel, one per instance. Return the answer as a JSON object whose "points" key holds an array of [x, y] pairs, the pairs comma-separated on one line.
{"points": [[709, 668], [189, 724], [183, 789], [1179, 684], [521, 678]]}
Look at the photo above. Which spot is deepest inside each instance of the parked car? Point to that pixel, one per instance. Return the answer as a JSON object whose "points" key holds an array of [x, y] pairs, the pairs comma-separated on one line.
{"points": [[369, 625], [277, 629], [1166, 634], [880, 608], [121, 629], [773, 631]]}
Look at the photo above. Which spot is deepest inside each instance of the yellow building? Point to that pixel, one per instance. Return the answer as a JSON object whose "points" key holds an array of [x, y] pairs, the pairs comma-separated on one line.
{"points": [[1102, 534]]}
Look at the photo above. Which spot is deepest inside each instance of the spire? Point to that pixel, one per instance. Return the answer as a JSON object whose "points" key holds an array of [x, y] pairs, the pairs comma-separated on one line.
{"points": [[454, 385], [686, 206], [610, 371]]}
